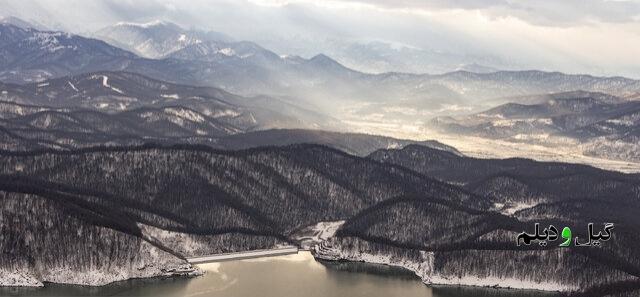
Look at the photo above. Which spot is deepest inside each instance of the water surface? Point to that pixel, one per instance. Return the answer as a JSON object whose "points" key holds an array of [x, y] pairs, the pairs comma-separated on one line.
{"points": [[285, 276]]}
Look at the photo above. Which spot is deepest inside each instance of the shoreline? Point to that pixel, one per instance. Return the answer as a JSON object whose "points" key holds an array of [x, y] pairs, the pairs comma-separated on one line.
{"points": [[416, 268], [27, 280], [436, 285], [423, 270], [362, 257], [462, 284], [186, 270]]}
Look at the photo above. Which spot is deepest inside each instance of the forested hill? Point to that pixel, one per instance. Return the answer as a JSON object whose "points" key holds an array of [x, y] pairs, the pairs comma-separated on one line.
{"points": [[312, 182], [466, 246], [517, 182], [129, 209], [205, 200]]}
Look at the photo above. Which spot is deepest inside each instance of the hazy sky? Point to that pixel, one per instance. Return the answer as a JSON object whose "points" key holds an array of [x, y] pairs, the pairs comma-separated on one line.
{"points": [[595, 36]]}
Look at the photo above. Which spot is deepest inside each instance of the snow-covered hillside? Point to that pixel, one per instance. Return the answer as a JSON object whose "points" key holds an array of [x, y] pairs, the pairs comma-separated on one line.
{"points": [[155, 39]]}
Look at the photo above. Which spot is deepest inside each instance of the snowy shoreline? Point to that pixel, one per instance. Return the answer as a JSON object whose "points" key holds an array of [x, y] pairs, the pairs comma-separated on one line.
{"points": [[424, 270], [319, 238], [17, 278], [25, 278]]}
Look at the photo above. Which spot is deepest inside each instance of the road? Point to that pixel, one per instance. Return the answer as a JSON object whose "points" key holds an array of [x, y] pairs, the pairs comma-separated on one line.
{"points": [[244, 255]]}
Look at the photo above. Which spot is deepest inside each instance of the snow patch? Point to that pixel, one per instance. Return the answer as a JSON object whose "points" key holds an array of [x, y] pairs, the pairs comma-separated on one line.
{"points": [[510, 209], [105, 83], [142, 25], [15, 278], [318, 233], [188, 245], [621, 122], [225, 113], [326, 230], [50, 41], [252, 119], [393, 145], [510, 283], [454, 107], [227, 52], [186, 114], [72, 86], [170, 96]]}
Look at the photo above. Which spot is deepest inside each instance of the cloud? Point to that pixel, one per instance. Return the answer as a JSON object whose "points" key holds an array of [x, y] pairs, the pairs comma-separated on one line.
{"points": [[538, 12]]}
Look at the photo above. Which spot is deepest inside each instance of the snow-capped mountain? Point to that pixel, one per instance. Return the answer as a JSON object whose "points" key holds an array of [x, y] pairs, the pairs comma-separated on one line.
{"points": [[155, 39], [247, 68], [251, 54], [320, 82], [31, 55], [231, 53]]}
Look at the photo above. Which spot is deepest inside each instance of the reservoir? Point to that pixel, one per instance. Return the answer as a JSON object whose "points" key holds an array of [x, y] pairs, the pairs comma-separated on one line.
{"points": [[298, 275]]}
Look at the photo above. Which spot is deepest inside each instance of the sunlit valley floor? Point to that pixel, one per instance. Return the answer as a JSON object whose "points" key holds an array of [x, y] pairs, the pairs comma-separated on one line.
{"points": [[480, 147]]}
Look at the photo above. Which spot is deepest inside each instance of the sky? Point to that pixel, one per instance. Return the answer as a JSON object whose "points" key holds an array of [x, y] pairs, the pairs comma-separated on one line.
{"points": [[600, 37]]}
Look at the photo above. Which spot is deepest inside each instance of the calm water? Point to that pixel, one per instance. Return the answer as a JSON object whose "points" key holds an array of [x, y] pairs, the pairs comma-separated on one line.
{"points": [[287, 276]]}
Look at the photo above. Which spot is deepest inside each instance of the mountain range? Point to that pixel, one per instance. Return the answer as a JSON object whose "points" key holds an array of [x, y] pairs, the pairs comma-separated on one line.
{"points": [[111, 92], [294, 92], [245, 68], [158, 38], [155, 39], [120, 108], [380, 56], [30, 127]]}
